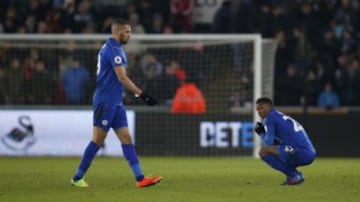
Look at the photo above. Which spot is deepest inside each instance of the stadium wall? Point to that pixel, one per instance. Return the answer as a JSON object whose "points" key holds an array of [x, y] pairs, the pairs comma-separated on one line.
{"points": [[334, 135], [159, 133], [50, 132]]}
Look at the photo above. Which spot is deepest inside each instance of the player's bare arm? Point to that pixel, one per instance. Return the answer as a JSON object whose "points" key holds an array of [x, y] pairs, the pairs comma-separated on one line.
{"points": [[272, 150], [126, 81]]}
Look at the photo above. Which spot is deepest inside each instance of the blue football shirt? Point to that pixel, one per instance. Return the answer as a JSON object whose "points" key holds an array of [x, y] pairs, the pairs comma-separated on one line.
{"points": [[284, 129], [108, 89]]}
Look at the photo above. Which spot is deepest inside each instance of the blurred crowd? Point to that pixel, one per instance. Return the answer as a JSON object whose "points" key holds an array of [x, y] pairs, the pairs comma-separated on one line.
{"points": [[317, 56]]}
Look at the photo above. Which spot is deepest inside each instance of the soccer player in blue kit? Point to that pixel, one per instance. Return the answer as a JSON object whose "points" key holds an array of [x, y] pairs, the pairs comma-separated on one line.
{"points": [[286, 144], [109, 111]]}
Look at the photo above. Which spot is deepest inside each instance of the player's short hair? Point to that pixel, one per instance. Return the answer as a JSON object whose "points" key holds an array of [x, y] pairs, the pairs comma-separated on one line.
{"points": [[117, 23], [120, 21], [264, 100]]}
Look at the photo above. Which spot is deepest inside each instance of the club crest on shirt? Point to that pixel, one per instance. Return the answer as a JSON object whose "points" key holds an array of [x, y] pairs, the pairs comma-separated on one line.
{"points": [[117, 60], [289, 149], [104, 122]]}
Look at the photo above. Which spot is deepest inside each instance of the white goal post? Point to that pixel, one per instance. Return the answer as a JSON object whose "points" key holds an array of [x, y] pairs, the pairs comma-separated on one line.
{"points": [[259, 55]]}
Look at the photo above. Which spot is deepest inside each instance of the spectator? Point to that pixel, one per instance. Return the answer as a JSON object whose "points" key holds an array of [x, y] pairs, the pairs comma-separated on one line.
{"points": [[181, 14], [83, 16], [146, 14], [36, 8], [151, 66], [11, 20], [68, 18], [30, 24], [244, 17], [53, 22], [347, 42], [264, 20], [168, 29], [284, 55], [3, 90], [312, 88], [290, 87], [137, 28], [42, 28], [310, 22], [188, 99], [157, 26], [15, 82], [167, 84], [67, 56], [223, 18], [340, 75], [28, 70], [281, 20], [4, 56], [178, 71], [323, 69], [42, 86], [76, 83], [350, 83], [328, 98], [328, 48]]}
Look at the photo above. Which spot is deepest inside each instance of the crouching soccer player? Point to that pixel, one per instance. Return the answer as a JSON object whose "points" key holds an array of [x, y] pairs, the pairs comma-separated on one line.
{"points": [[286, 143], [109, 110]]}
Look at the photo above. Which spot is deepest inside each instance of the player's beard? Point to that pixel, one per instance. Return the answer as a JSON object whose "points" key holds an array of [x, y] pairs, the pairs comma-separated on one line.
{"points": [[123, 40]]}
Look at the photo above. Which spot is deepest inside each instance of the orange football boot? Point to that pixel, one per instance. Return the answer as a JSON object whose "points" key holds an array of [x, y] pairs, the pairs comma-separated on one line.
{"points": [[148, 181]]}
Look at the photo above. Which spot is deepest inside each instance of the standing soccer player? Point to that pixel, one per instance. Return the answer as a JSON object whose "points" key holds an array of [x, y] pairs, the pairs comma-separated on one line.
{"points": [[109, 111], [286, 143]]}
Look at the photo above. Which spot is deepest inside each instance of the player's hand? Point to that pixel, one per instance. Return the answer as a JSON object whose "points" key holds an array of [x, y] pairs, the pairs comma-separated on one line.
{"points": [[147, 99], [259, 128]]}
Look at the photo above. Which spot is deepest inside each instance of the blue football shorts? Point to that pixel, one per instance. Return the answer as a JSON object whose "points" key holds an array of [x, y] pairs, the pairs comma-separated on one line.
{"points": [[107, 117], [296, 155]]}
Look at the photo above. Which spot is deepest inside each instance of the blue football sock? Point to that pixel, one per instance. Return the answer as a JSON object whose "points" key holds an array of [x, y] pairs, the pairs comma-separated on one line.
{"points": [[280, 165], [133, 161], [86, 160]]}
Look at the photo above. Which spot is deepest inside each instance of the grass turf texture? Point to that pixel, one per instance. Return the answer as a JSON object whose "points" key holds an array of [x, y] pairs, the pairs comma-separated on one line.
{"points": [[185, 179]]}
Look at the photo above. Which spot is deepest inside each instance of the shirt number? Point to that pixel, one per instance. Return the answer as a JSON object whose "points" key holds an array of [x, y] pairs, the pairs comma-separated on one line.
{"points": [[297, 126], [98, 65]]}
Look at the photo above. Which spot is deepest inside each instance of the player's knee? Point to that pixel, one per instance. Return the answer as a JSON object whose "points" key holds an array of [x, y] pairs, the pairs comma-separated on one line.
{"points": [[125, 138], [99, 142], [309, 157], [99, 135], [261, 154]]}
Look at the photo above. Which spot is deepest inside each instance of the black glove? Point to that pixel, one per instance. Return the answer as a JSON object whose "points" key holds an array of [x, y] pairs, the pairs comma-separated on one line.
{"points": [[147, 99], [259, 128]]}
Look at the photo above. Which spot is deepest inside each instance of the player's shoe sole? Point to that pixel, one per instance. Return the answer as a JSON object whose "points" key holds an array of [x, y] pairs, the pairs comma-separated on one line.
{"points": [[287, 182], [295, 180], [148, 181], [79, 183]]}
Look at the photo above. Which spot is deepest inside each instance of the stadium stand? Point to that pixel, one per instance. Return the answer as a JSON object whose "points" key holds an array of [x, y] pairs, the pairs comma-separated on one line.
{"points": [[318, 41]]}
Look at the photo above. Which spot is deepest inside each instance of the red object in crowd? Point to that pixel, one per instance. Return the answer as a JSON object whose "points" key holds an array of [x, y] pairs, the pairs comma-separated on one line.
{"points": [[188, 100]]}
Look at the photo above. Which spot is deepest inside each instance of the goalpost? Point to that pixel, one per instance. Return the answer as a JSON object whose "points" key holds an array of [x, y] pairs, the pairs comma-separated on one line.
{"points": [[232, 70]]}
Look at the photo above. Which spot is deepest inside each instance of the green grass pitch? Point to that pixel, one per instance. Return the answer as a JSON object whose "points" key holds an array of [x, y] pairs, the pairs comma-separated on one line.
{"points": [[185, 179]]}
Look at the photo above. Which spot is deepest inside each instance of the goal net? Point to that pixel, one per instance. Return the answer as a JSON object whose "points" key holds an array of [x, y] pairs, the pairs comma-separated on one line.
{"points": [[231, 71]]}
